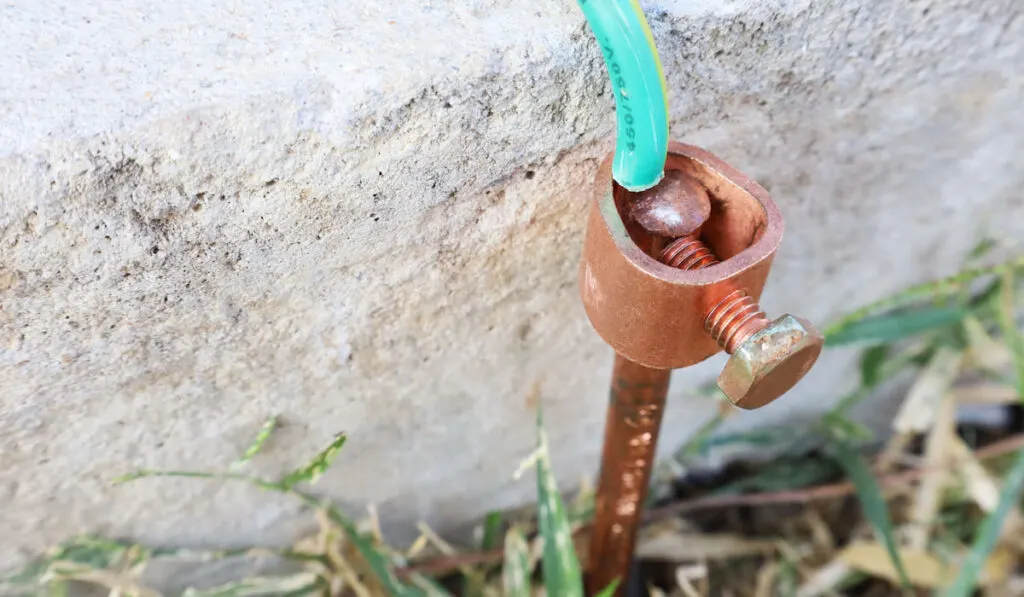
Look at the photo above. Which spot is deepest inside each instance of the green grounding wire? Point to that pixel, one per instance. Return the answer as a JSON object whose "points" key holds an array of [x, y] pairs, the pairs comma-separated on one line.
{"points": [[641, 100]]}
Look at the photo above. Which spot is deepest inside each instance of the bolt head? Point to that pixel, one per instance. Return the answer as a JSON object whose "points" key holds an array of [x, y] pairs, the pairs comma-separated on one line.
{"points": [[770, 362], [677, 206]]}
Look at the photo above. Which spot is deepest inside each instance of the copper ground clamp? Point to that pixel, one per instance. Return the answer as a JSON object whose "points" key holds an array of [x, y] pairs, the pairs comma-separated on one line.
{"points": [[669, 277]]}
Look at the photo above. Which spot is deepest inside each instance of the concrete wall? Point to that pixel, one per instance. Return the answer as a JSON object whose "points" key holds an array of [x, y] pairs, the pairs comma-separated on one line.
{"points": [[366, 216]]}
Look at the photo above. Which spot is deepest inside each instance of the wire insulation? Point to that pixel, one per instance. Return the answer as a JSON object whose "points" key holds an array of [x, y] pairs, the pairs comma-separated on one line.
{"points": [[641, 99]]}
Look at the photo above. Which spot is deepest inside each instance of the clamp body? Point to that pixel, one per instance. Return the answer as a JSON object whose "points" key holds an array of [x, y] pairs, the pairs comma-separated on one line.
{"points": [[652, 313]]}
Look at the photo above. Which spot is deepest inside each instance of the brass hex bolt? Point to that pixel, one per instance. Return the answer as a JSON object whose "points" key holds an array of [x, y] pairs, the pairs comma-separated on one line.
{"points": [[770, 362], [767, 358]]}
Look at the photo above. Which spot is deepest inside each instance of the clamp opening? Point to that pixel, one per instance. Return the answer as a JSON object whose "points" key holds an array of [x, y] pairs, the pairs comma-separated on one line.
{"points": [[737, 222]]}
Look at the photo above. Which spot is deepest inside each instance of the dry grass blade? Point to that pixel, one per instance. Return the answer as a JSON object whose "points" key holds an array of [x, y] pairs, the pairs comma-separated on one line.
{"points": [[824, 579], [676, 546], [923, 569], [766, 578], [983, 351], [417, 547], [373, 522], [918, 411], [821, 536], [982, 488], [689, 581], [434, 539], [114, 580], [685, 581], [376, 560], [342, 573], [303, 584], [473, 576], [929, 491], [988, 394]]}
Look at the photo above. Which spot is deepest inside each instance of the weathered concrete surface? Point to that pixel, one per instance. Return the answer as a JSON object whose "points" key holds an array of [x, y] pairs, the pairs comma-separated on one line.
{"points": [[368, 219]]}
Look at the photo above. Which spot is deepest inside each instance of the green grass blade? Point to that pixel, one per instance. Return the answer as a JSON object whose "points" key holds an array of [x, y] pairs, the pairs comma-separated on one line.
{"points": [[315, 467], [964, 583], [786, 585], [429, 587], [698, 444], [86, 551], [984, 247], [927, 291], [561, 568], [492, 531], [516, 572], [145, 473], [57, 588], [871, 501], [381, 564], [896, 325], [783, 473], [609, 590], [889, 368], [473, 585], [871, 363], [840, 427], [260, 440], [777, 437], [981, 303], [1011, 333], [98, 552], [25, 577]]}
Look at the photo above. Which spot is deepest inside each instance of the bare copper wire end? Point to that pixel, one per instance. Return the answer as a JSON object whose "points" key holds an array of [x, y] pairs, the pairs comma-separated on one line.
{"points": [[676, 206]]}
